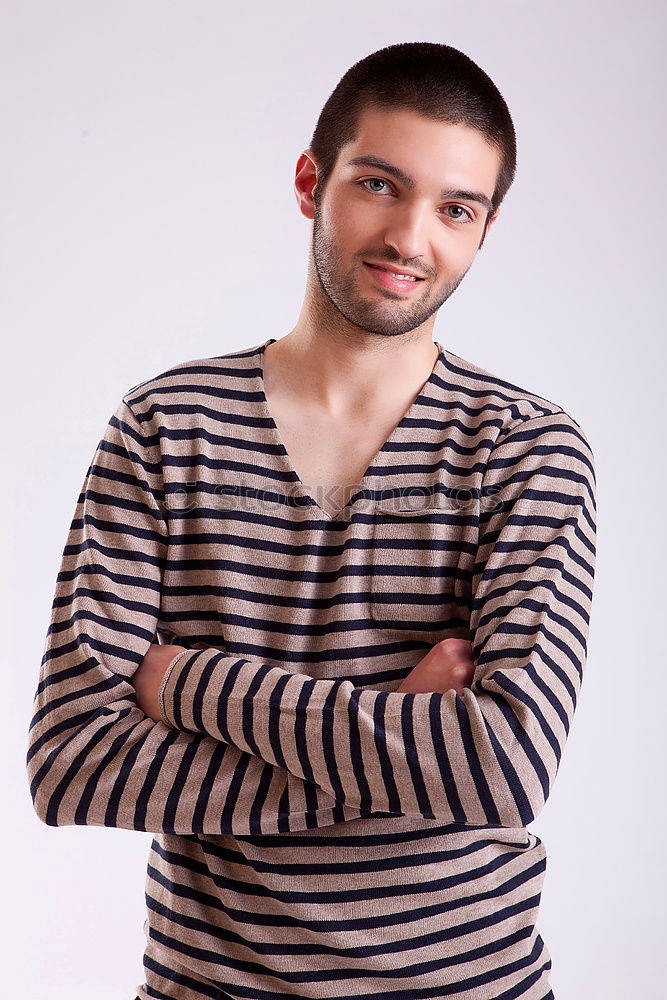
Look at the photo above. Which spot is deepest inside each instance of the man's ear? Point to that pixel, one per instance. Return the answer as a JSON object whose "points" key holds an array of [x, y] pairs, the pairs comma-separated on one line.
{"points": [[305, 182]]}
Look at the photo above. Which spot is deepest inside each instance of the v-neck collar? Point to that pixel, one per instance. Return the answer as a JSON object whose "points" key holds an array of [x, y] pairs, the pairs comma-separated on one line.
{"points": [[364, 481]]}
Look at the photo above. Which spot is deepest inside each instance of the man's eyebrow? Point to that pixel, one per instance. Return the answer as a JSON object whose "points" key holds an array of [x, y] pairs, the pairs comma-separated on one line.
{"points": [[370, 160]]}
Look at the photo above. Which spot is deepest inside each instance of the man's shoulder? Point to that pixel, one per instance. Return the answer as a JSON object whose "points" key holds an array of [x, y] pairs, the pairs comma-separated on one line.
{"points": [[514, 417], [491, 398], [192, 380], [492, 389]]}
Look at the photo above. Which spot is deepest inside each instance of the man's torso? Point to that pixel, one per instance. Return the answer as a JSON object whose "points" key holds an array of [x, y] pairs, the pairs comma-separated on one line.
{"points": [[363, 904]]}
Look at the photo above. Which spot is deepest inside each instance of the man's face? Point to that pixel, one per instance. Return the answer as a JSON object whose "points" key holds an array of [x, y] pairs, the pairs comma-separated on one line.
{"points": [[368, 214]]}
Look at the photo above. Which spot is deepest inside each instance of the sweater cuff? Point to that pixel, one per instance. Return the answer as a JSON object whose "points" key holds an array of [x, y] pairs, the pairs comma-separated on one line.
{"points": [[178, 686]]}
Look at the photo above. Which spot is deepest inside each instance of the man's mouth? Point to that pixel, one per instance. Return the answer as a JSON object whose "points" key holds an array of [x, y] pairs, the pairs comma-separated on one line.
{"points": [[398, 275], [391, 280]]}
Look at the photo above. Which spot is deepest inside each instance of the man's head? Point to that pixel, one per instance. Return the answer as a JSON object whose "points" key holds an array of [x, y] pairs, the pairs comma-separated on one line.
{"points": [[432, 131]]}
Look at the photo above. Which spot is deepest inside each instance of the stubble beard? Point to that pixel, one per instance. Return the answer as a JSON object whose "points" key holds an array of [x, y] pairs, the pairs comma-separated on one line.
{"points": [[379, 314]]}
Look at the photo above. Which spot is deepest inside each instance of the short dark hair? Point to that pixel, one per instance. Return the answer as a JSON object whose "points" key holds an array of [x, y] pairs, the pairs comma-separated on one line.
{"points": [[437, 81]]}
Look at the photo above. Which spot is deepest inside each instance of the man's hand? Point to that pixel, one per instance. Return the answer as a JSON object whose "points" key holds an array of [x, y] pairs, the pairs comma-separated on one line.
{"points": [[447, 665], [147, 678]]}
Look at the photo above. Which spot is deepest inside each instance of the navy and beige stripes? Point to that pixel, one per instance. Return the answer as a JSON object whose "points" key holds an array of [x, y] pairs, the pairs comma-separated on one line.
{"points": [[316, 833]]}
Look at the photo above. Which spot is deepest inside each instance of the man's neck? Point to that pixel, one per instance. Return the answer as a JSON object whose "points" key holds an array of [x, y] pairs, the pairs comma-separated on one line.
{"points": [[337, 379]]}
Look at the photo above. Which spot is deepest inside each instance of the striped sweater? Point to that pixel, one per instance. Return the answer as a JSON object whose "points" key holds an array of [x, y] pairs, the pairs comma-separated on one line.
{"points": [[316, 833]]}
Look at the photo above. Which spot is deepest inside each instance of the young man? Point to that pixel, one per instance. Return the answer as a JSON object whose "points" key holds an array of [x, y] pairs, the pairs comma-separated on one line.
{"points": [[322, 615]]}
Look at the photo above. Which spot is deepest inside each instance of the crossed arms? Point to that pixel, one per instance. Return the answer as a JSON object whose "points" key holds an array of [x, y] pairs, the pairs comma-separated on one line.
{"points": [[245, 747]]}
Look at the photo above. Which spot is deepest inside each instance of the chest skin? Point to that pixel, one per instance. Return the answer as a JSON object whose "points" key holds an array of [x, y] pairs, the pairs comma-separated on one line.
{"points": [[331, 456]]}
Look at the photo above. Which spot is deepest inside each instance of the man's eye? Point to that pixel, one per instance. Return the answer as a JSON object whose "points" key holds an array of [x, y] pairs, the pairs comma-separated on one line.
{"points": [[462, 209], [369, 180]]}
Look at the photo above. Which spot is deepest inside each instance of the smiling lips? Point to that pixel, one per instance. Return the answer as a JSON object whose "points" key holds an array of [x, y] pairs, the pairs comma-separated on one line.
{"points": [[395, 281]]}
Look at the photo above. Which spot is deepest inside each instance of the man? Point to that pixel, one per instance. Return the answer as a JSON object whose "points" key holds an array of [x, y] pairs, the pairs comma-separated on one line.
{"points": [[369, 565]]}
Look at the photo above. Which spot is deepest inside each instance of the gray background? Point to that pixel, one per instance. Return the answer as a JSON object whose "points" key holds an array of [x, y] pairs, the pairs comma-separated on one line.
{"points": [[148, 218]]}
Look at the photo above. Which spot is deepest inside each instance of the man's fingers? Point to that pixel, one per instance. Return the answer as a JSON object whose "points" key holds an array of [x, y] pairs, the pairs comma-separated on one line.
{"points": [[457, 661], [456, 642], [456, 649]]}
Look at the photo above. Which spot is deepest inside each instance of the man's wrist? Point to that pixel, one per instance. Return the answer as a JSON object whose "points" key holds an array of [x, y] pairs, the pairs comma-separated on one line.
{"points": [[165, 698]]}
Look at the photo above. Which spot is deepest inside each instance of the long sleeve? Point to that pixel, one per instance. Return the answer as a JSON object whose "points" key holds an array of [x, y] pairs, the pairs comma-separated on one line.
{"points": [[94, 758], [489, 755]]}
